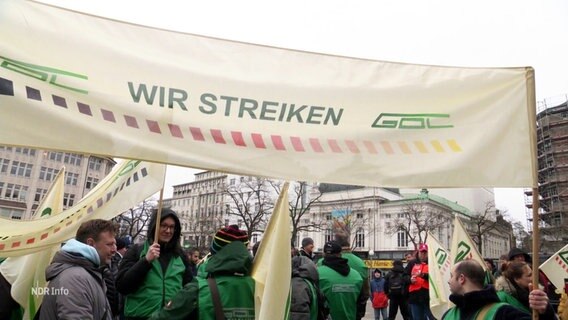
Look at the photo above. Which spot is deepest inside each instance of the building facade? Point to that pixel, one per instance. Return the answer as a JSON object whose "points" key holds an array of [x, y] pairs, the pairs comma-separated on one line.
{"points": [[552, 148], [374, 213], [26, 175], [216, 199]]}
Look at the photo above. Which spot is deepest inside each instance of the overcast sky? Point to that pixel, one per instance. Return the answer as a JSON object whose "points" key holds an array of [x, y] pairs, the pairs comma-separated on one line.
{"points": [[454, 33]]}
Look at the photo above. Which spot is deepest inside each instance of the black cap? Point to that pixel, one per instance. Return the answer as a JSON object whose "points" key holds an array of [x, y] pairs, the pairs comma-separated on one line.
{"points": [[331, 247]]}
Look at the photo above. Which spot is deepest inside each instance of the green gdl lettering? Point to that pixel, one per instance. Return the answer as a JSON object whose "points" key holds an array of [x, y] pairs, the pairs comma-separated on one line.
{"points": [[46, 74], [412, 121]]}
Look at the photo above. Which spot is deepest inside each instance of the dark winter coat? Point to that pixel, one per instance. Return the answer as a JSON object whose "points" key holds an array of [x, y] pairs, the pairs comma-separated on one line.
{"points": [[397, 271], [84, 288], [303, 269]]}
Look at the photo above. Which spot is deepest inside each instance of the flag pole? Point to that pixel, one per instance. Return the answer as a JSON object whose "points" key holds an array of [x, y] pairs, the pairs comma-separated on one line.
{"points": [[531, 105], [159, 213]]}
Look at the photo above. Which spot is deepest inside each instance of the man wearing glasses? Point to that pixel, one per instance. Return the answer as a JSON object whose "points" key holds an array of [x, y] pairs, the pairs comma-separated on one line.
{"points": [[152, 272]]}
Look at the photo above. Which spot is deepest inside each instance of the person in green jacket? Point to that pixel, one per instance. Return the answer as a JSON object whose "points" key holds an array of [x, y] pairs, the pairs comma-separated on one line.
{"points": [[228, 268], [152, 272], [341, 285], [354, 262], [514, 286], [473, 300]]}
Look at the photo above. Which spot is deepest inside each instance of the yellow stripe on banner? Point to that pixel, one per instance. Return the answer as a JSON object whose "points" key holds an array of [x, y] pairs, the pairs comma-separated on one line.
{"points": [[404, 147], [437, 146], [386, 145], [420, 146], [454, 145]]}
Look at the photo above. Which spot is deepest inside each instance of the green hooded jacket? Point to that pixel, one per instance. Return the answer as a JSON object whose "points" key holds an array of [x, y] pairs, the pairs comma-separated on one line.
{"points": [[231, 268]]}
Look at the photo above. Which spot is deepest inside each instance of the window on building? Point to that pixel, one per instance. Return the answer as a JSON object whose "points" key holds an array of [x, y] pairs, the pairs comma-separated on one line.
{"points": [[359, 216], [68, 199], [1, 188], [402, 239], [72, 159], [226, 222], [71, 178], [16, 192], [56, 156], [328, 236], [387, 216], [95, 163], [254, 238], [4, 163], [328, 217], [47, 174], [360, 238], [21, 169], [40, 193], [26, 151]]}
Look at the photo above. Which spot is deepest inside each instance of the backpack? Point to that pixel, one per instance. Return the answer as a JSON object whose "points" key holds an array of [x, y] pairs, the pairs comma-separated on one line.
{"points": [[396, 284]]}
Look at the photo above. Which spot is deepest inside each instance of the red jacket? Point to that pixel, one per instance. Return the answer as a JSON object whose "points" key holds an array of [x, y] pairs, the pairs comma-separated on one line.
{"points": [[418, 272]]}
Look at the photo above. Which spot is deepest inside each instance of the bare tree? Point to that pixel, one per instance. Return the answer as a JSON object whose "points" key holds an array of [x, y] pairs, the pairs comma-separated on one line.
{"points": [[417, 220], [351, 221], [521, 235], [201, 231], [250, 201], [134, 221], [482, 223], [299, 206]]}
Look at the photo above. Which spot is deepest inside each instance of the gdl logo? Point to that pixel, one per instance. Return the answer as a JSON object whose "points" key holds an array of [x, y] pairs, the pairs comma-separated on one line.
{"points": [[412, 121]]}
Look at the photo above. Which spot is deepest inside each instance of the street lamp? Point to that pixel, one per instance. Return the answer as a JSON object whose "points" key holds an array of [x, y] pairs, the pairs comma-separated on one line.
{"points": [[371, 254]]}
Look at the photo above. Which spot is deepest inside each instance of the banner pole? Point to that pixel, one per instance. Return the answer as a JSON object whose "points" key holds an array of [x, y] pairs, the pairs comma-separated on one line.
{"points": [[531, 109], [159, 213]]}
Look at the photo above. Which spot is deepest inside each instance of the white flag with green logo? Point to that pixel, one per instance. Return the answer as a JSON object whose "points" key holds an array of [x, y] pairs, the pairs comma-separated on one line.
{"points": [[26, 273], [556, 267], [439, 267], [463, 248], [137, 92]]}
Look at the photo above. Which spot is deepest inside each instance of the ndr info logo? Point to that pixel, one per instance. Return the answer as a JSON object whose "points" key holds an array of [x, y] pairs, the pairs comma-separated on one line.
{"points": [[47, 291]]}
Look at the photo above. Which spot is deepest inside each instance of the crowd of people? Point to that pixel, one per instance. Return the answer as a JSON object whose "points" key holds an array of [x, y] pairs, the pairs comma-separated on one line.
{"points": [[106, 278]]}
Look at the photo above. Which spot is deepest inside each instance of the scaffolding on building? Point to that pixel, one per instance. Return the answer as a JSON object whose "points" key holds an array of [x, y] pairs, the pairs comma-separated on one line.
{"points": [[552, 152]]}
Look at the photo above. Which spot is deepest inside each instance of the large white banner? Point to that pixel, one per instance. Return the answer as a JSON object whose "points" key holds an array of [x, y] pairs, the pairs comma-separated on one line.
{"points": [[86, 84]]}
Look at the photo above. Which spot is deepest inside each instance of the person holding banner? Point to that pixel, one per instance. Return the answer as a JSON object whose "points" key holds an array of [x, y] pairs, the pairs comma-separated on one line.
{"points": [[474, 301], [514, 286], [151, 273]]}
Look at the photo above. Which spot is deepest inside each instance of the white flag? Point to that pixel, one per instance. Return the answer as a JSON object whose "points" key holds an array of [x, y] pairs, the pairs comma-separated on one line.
{"points": [[556, 267], [463, 247], [26, 273], [439, 267], [272, 269], [131, 182]]}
